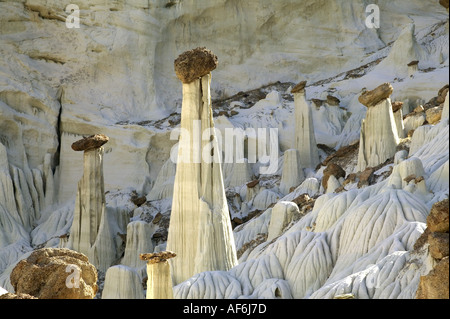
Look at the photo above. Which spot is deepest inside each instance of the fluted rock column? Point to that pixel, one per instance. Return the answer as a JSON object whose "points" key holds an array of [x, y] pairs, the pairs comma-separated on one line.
{"points": [[305, 140], [90, 199], [398, 117], [200, 227], [159, 275], [292, 175], [378, 137]]}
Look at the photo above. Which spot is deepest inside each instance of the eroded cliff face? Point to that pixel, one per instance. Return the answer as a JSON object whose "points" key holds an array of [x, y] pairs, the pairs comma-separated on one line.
{"points": [[117, 67]]}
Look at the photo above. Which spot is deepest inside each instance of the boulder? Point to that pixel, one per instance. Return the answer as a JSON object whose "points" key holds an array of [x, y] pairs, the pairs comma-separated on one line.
{"points": [[397, 105], [332, 169], [433, 115], [438, 245], [435, 284], [438, 219], [372, 98], [90, 142], [332, 100], [194, 64], [16, 296], [55, 273], [299, 87]]}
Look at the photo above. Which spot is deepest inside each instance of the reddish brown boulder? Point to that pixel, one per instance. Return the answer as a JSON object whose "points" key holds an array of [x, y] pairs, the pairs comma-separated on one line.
{"points": [[332, 169], [90, 142], [332, 100], [366, 177], [397, 105], [194, 64], [299, 87], [372, 98], [55, 273]]}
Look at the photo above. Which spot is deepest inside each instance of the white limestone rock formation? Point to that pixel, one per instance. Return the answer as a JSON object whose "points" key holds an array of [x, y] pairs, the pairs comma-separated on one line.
{"points": [[305, 141], [379, 138], [237, 174], [200, 228], [122, 282], [398, 117], [292, 175], [90, 200], [163, 186], [404, 50], [159, 275], [283, 213], [445, 110], [139, 240]]}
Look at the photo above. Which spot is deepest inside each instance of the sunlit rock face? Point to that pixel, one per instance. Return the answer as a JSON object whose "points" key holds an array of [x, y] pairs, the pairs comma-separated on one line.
{"points": [[200, 229], [379, 135]]}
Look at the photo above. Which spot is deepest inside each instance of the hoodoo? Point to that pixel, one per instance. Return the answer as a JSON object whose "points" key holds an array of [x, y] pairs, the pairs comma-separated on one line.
{"points": [[159, 282], [305, 140], [90, 200], [379, 137], [200, 227]]}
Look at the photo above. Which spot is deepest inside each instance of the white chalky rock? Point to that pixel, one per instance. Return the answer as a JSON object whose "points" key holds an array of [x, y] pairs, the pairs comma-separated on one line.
{"points": [[89, 204], [398, 118], [379, 138], [282, 214], [200, 229], [238, 173], [305, 141], [414, 121], [404, 50], [445, 110], [163, 186], [411, 166], [139, 240], [293, 174], [122, 282]]}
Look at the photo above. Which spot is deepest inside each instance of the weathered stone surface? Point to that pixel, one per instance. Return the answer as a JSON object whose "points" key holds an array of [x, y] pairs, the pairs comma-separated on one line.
{"points": [[332, 100], [138, 201], [366, 177], [158, 257], [332, 169], [90, 142], [435, 284], [397, 105], [18, 296], [438, 219], [194, 64], [372, 98], [55, 273], [438, 245], [317, 102], [418, 109], [253, 183], [433, 115], [345, 296], [299, 87]]}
